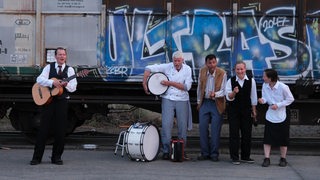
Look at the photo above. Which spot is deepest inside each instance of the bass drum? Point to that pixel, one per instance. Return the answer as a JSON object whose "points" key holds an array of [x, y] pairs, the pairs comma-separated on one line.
{"points": [[142, 142]]}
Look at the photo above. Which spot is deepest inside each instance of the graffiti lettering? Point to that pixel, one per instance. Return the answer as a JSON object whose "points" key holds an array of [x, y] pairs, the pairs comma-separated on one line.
{"points": [[134, 41], [274, 22], [313, 29], [117, 70]]}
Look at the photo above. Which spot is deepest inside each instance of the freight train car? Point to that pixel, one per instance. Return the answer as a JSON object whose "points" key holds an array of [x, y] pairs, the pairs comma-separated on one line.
{"points": [[116, 39]]}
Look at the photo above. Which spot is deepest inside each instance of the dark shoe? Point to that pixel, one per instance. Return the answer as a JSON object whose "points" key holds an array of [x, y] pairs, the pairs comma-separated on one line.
{"points": [[214, 159], [203, 158], [235, 162], [283, 162], [249, 160], [165, 156], [186, 157], [35, 162], [266, 162], [57, 161]]}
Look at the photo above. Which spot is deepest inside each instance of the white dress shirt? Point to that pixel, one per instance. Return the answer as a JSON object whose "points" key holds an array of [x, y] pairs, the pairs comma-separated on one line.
{"points": [[43, 78], [280, 95], [253, 94], [210, 86], [183, 76]]}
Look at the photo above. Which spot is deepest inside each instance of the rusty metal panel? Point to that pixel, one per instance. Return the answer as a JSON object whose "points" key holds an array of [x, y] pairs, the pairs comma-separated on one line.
{"points": [[71, 6], [17, 5], [156, 5], [17, 42], [265, 5], [179, 6], [79, 34], [312, 6]]}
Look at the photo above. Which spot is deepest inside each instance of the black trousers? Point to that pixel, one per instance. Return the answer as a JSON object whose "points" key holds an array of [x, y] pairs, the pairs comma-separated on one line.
{"points": [[240, 122], [53, 122]]}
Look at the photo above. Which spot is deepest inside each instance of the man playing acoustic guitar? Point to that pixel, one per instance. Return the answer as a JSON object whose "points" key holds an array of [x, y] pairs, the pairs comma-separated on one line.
{"points": [[54, 117]]}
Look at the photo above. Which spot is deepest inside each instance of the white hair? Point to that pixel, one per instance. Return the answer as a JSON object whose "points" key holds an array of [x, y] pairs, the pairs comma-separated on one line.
{"points": [[177, 54]]}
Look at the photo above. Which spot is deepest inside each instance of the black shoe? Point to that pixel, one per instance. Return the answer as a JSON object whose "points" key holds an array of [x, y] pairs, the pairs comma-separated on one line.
{"points": [[185, 157], [57, 161], [35, 162], [214, 159], [203, 158], [165, 156], [248, 160], [283, 162], [266, 162], [235, 162]]}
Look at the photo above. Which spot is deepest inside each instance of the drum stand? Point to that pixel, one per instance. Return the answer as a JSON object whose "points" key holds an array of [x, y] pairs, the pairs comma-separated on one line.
{"points": [[121, 143]]}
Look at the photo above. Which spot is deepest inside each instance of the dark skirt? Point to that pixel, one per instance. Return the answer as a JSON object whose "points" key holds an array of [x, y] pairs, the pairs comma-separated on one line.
{"points": [[276, 134]]}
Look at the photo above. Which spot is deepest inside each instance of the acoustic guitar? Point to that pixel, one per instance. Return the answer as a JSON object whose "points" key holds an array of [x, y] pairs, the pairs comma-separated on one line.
{"points": [[43, 95]]}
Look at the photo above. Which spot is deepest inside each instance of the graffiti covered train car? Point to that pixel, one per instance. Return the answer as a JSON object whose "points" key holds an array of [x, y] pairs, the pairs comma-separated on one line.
{"points": [[118, 38]]}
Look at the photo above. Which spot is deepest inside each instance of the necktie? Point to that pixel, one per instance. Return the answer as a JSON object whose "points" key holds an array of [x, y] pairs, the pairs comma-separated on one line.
{"points": [[59, 72]]}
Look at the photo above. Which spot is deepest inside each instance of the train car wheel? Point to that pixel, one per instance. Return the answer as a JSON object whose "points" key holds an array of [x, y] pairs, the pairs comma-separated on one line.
{"points": [[28, 122]]}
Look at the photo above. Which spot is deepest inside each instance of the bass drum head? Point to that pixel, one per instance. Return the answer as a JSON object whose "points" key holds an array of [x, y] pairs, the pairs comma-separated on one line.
{"points": [[151, 143], [154, 83], [142, 142]]}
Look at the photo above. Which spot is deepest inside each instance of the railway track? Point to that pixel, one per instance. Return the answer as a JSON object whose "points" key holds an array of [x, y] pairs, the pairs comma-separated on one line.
{"points": [[103, 141]]}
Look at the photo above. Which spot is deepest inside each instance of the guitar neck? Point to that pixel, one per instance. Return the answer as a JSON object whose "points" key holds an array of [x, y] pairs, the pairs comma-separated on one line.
{"points": [[70, 78], [76, 75]]}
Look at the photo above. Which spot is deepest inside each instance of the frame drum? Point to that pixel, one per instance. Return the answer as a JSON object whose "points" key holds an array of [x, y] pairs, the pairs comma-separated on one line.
{"points": [[154, 83]]}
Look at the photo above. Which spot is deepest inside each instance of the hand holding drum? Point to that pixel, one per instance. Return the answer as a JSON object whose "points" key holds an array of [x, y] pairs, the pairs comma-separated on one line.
{"points": [[156, 83]]}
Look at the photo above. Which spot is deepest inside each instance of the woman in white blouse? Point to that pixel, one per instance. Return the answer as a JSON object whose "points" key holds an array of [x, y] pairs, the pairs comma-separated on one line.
{"points": [[277, 96]]}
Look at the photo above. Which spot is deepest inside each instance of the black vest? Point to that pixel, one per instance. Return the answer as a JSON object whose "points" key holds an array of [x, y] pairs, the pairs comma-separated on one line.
{"points": [[53, 74], [242, 98]]}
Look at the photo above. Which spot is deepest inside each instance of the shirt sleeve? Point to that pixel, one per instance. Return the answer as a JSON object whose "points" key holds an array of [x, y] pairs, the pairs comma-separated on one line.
{"points": [[221, 92], [72, 84], [228, 90], [188, 81], [253, 96], [264, 93], [43, 78], [157, 67], [288, 97], [198, 89]]}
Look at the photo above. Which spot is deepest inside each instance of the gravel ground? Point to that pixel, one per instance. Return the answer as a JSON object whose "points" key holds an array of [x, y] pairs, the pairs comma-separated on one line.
{"points": [[127, 115]]}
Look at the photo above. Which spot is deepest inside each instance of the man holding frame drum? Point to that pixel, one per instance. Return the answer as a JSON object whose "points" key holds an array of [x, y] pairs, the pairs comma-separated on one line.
{"points": [[175, 100]]}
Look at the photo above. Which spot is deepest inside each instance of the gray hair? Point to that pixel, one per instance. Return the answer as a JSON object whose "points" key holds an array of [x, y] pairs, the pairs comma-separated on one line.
{"points": [[177, 54]]}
